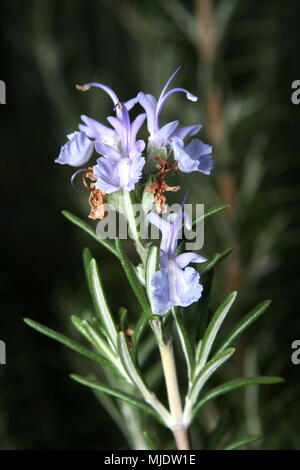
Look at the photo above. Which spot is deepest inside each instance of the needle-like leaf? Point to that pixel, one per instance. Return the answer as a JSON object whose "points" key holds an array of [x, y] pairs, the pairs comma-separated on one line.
{"points": [[90, 230], [119, 394], [65, 341]]}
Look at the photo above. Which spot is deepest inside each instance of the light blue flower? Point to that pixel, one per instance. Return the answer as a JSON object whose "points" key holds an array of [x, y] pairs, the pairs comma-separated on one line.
{"points": [[120, 140], [196, 156], [77, 151], [176, 283], [161, 136], [121, 164]]}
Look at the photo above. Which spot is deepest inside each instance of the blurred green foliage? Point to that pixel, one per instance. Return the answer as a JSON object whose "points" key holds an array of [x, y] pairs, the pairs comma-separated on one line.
{"points": [[241, 61]]}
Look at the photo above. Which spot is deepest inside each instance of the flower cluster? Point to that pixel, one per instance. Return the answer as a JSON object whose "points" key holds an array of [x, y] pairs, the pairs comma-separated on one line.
{"points": [[121, 164]]}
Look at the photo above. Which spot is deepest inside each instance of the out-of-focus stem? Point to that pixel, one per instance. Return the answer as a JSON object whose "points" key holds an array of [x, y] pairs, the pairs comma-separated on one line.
{"points": [[178, 427], [215, 124], [206, 41]]}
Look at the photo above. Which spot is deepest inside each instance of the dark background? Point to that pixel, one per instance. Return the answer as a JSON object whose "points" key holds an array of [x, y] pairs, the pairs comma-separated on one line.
{"points": [[243, 79]]}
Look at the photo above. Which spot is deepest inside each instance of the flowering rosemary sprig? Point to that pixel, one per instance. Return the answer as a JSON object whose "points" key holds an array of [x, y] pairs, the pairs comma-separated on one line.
{"points": [[164, 283]]}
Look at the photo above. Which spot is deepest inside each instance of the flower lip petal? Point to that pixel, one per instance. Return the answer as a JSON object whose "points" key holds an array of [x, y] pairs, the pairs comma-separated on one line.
{"points": [[186, 131], [196, 156], [161, 292], [77, 151], [186, 258], [113, 175]]}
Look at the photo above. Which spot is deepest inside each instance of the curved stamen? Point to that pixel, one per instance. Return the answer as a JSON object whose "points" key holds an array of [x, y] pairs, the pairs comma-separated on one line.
{"points": [[107, 89], [189, 96], [74, 176], [167, 85]]}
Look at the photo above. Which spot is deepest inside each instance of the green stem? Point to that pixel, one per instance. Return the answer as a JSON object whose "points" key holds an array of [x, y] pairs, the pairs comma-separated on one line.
{"points": [[134, 233]]}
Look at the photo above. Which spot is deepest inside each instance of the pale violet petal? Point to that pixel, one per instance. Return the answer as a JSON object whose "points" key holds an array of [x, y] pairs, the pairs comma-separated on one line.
{"points": [[96, 130], [108, 151], [131, 103], [196, 156], [136, 125], [184, 285], [185, 162], [161, 292], [188, 287], [149, 103], [186, 258], [113, 175], [186, 131], [161, 138], [77, 151]]}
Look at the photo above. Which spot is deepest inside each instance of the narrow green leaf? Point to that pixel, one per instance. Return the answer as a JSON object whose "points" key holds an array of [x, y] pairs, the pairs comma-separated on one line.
{"points": [[151, 444], [131, 275], [243, 442], [95, 338], [123, 318], [202, 310], [198, 350], [232, 385], [120, 395], [90, 230], [139, 330], [184, 340], [111, 407], [212, 211], [129, 365], [213, 328], [101, 304], [244, 323], [217, 435], [65, 341], [209, 213], [212, 263], [87, 258], [138, 381], [200, 380]]}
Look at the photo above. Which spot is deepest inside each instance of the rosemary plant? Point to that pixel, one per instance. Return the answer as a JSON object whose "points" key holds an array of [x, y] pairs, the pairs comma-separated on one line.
{"points": [[130, 177]]}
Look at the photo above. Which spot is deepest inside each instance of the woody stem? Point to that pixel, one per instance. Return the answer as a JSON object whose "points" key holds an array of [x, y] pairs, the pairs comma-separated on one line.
{"points": [[178, 428]]}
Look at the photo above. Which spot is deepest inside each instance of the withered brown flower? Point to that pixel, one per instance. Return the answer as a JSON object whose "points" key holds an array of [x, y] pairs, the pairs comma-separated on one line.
{"points": [[97, 196], [159, 185]]}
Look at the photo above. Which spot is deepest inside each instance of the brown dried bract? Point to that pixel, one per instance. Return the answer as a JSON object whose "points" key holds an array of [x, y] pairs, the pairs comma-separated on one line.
{"points": [[159, 185], [97, 196]]}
